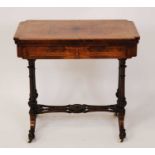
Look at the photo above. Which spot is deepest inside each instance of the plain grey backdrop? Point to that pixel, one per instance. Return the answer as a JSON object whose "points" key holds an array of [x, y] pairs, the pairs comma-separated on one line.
{"points": [[62, 82]]}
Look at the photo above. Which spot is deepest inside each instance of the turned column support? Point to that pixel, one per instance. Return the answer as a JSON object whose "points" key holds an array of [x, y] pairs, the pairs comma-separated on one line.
{"points": [[121, 101], [32, 100]]}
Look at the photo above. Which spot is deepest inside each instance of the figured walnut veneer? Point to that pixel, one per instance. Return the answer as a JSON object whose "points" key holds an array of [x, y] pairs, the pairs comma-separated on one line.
{"points": [[76, 39]]}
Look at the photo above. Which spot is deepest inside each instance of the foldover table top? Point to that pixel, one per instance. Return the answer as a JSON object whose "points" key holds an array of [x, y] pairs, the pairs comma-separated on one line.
{"points": [[50, 30], [72, 33]]}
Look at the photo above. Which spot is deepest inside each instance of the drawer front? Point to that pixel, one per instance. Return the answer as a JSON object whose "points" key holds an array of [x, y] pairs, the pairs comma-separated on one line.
{"points": [[51, 52], [102, 52]]}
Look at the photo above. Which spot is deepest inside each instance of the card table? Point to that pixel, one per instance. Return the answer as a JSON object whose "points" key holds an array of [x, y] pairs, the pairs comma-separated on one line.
{"points": [[77, 39]]}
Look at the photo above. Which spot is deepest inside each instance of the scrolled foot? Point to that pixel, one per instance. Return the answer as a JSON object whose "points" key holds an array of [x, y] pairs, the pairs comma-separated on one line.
{"points": [[31, 135], [122, 135]]}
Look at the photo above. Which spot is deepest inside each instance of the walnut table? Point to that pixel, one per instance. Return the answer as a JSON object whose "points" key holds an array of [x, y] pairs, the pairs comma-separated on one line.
{"points": [[77, 39]]}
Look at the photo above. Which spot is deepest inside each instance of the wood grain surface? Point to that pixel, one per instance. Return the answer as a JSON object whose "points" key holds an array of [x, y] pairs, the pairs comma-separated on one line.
{"points": [[67, 39], [76, 29]]}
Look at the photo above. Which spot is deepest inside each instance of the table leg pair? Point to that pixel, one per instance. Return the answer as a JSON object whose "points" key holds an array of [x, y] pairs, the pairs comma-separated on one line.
{"points": [[118, 109]]}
